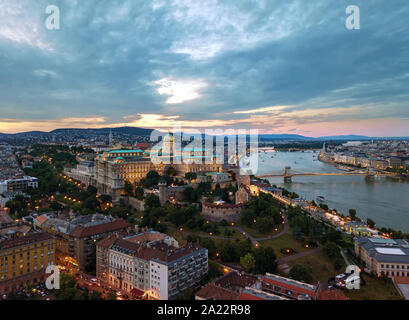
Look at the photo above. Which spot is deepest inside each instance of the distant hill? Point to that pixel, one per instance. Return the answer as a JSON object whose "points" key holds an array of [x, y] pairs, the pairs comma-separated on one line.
{"points": [[284, 137], [76, 131], [296, 137], [135, 131], [347, 137]]}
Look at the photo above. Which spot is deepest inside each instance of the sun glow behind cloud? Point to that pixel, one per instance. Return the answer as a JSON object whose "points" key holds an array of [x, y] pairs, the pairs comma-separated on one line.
{"points": [[180, 90]]}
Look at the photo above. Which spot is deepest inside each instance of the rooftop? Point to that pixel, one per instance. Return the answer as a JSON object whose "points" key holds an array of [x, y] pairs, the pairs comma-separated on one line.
{"points": [[24, 240], [385, 250], [305, 287], [82, 232]]}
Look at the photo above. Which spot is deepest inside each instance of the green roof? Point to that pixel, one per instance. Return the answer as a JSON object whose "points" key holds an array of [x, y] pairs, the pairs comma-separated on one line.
{"points": [[385, 241], [126, 151]]}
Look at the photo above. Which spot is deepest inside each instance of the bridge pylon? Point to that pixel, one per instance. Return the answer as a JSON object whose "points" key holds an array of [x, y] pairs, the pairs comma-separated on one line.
{"points": [[370, 173], [287, 175]]}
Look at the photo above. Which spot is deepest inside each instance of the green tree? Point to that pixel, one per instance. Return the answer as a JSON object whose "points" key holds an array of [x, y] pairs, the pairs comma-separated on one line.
{"points": [[300, 273], [111, 295], [228, 252], [94, 295], [331, 250], [209, 244], [152, 201], [265, 260], [248, 262], [128, 188], [370, 223], [352, 214], [190, 175]]}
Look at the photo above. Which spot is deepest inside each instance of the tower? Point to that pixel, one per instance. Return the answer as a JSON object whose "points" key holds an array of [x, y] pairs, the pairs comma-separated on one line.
{"points": [[323, 148], [111, 138], [163, 191]]}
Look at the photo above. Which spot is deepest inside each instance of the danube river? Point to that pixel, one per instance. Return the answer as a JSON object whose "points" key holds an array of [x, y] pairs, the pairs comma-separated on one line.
{"points": [[385, 200]]}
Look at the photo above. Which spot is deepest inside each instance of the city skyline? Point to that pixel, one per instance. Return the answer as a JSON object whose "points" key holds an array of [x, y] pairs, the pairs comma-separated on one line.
{"points": [[278, 67]]}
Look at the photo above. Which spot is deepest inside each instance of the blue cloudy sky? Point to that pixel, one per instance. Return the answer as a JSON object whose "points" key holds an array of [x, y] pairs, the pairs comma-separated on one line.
{"points": [[280, 66]]}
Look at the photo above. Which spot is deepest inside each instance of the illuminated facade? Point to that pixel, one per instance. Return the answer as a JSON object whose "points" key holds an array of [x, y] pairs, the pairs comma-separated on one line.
{"points": [[115, 167], [24, 260]]}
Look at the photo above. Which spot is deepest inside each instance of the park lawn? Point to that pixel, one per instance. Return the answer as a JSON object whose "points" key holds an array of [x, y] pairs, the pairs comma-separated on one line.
{"points": [[374, 289], [254, 233], [319, 266], [235, 234], [284, 241]]}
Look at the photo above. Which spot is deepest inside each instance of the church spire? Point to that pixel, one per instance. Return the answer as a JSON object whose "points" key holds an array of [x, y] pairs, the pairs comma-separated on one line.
{"points": [[111, 138]]}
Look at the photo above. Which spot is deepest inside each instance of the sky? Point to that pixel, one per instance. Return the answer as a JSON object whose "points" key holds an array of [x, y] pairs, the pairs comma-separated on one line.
{"points": [[287, 66]]}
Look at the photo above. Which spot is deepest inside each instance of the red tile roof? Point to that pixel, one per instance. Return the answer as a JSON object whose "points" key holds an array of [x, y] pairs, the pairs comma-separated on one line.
{"points": [[83, 232], [215, 292], [41, 219], [107, 242], [234, 279]]}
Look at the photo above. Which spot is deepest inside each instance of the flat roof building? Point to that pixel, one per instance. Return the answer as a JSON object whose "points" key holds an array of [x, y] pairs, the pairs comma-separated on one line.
{"points": [[384, 256]]}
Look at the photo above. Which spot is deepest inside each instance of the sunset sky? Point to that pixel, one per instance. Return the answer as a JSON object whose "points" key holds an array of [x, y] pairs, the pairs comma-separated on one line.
{"points": [[278, 66]]}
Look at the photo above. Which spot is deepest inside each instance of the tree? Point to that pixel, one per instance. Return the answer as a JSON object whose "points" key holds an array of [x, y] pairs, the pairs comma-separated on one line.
{"points": [[337, 264], [352, 214], [111, 295], [105, 198], [248, 262], [128, 188], [331, 250], [152, 201], [139, 193], [209, 244], [370, 223], [190, 175], [92, 190], [228, 252], [153, 175], [265, 224], [324, 206], [243, 247], [265, 260], [298, 272], [190, 194], [94, 295]]}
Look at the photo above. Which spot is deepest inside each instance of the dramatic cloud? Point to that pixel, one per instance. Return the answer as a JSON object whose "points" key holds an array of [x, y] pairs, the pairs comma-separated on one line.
{"points": [[180, 91], [280, 66]]}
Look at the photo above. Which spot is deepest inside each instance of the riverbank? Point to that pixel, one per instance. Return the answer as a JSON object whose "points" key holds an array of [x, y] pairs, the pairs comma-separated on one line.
{"points": [[382, 199]]}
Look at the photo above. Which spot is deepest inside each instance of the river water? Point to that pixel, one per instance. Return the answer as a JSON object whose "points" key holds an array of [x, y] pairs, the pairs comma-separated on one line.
{"points": [[385, 200]]}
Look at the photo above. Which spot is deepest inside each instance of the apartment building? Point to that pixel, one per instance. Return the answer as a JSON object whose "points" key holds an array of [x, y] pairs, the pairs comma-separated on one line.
{"points": [[157, 269], [18, 184], [24, 260]]}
